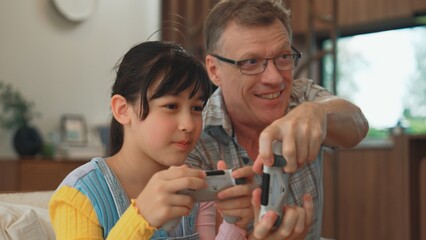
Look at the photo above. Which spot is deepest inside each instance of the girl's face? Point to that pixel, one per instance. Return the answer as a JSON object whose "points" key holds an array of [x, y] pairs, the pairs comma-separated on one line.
{"points": [[171, 129]]}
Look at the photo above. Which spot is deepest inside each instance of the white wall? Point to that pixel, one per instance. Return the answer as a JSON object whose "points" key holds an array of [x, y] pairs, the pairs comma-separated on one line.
{"points": [[66, 67]]}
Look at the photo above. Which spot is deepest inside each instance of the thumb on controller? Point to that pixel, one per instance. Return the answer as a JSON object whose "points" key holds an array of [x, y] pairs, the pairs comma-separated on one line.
{"points": [[221, 165], [263, 226]]}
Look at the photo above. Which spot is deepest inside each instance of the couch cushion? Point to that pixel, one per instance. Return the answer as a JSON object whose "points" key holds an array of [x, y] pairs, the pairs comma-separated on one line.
{"points": [[36, 199], [20, 221]]}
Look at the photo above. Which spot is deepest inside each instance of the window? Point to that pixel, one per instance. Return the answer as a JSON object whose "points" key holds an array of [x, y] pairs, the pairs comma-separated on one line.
{"points": [[385, 74]]}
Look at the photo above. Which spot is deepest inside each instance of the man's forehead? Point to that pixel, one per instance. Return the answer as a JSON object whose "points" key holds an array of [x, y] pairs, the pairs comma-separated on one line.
{"points": [[242, 40]]}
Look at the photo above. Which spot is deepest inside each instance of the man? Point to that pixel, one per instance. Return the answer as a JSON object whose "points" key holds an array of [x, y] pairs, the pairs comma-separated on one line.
{"points": [[250, 58]]}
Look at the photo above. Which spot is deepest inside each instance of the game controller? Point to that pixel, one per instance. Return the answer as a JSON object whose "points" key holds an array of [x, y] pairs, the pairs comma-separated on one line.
{"points": [[274, 185], [217, 180]]}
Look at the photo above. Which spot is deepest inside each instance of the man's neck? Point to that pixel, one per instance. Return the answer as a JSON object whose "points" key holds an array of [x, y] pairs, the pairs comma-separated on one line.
{"points": [[248, 138]]}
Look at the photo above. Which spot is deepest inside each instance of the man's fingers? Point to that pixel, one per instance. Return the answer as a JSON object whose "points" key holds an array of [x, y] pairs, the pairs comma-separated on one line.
{"points": [[289, 153], [300, 223], [258, 165], [268, 135], [255, 202], [308, 205], [265, 225], [302, 150], [314, 149], [289, 222], [296, 220]]}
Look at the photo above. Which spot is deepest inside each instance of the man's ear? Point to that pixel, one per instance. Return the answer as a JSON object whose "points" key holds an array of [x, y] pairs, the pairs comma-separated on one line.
{"points": [[120, 109], [212, 70]]}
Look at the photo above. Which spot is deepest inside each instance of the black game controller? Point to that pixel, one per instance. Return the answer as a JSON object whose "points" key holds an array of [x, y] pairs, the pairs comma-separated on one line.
{"points": [[217, 180], [274, 185]]}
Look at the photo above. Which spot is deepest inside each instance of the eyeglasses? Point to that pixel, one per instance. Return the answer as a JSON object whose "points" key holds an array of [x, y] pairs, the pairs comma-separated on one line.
{"points": [[254, 66]]}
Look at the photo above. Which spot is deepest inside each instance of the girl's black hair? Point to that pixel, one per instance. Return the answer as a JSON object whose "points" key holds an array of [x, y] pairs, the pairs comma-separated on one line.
{"points": [[166, 64]]}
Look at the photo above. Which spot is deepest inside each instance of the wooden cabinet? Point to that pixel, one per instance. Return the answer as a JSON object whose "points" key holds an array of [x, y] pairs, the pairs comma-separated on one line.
{"points": [[376, 192], [34, 174], [359, 13], [422, 209], [418, 6]]}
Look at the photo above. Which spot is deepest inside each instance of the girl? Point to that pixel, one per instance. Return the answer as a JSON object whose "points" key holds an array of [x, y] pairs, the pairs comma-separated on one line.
{"points": [[156, 103]]}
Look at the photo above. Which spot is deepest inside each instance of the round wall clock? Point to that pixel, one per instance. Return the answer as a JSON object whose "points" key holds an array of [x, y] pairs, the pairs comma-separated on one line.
{"points": [[76, 10]]}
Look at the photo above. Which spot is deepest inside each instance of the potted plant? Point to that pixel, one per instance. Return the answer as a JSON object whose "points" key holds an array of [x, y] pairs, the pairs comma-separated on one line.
{"points": [[16, 115]]}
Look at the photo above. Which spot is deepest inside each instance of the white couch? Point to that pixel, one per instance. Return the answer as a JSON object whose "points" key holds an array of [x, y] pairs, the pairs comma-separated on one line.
{"points": [[25, 216]]}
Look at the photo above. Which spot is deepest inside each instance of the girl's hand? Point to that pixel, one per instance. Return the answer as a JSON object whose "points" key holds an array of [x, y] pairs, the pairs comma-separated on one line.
{"points": [[236, 201], [159, 201]]}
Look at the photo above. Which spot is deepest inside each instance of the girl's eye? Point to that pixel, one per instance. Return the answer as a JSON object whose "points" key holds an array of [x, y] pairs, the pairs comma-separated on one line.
{"points": [[198, 108], [171, 106]]}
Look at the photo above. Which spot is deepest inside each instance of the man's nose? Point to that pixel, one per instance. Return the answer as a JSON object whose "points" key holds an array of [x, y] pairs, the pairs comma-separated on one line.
{"points": [[271, 75]]}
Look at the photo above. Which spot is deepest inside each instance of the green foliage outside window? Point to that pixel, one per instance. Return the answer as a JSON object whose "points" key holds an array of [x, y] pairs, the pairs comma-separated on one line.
{"points": [[351, 61]]}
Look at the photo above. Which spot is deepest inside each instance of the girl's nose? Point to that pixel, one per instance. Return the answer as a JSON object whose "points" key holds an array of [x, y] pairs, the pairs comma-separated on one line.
{"points": [[186, 122]]}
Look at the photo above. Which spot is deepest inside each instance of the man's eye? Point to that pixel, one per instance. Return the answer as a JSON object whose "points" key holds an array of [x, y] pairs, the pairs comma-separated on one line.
{"points": [[249, 62], [284, 57]]}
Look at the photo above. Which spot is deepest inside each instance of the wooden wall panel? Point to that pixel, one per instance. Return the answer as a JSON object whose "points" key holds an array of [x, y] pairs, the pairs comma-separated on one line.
{"points": [[422, 209], [418, 6], [183, 21], [299, 13], [40, 175], [371, 199], [34, 174], [377, 192], [353, 13], [416, 150], [8, 175], [330, 195]]}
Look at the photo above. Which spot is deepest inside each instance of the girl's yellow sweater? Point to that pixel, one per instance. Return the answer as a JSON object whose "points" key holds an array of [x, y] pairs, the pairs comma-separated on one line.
{"points": [[73, 217]]}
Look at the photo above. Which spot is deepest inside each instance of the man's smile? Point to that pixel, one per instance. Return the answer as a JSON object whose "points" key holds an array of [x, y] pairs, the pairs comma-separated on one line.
{"points": [[269, 95]]}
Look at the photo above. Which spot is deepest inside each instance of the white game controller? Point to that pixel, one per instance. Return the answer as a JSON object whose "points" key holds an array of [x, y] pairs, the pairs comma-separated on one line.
{"points": [[274, 185], [217, 180]]}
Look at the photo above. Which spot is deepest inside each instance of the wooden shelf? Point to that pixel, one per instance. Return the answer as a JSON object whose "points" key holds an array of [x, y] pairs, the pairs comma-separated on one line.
{"points": [[34, 174], [376, 193], [352, 13]]}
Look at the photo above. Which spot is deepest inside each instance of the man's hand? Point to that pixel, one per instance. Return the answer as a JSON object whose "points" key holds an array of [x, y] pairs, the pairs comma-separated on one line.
{"points": [[295, 225], [301, 132]]}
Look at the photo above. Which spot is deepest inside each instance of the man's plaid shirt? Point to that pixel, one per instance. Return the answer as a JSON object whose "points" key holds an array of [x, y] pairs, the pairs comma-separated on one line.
{"points": [[218, 142]]}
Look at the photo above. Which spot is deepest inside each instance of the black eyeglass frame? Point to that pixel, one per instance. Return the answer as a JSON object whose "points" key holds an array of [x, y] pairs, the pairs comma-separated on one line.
{"points": [[296, 57]]}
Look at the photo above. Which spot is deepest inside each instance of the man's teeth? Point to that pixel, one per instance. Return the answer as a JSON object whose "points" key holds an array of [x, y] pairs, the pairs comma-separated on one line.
{"points": [[270, 95]]}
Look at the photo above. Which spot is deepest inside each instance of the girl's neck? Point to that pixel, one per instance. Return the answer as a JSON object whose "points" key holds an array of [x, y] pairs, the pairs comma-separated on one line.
{"points": [[132, 172]]}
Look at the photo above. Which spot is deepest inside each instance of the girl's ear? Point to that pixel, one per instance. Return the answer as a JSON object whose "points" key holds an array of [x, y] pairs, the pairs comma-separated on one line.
{"points": [[212, 69], [120, 109]]}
